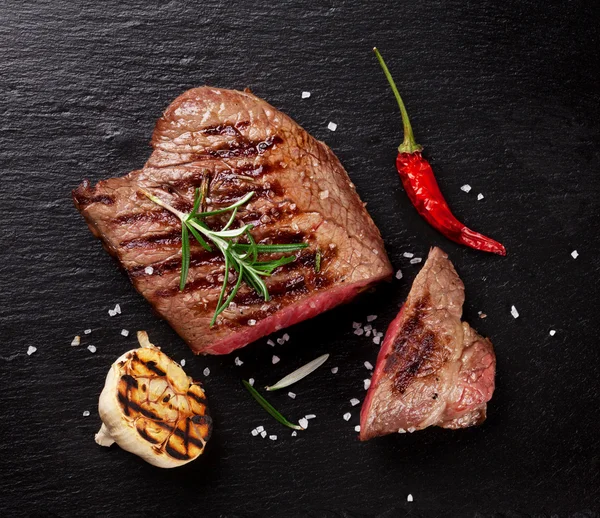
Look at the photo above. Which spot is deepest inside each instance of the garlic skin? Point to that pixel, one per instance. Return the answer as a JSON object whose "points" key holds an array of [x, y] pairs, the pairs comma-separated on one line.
{"points": [[151, 408]]}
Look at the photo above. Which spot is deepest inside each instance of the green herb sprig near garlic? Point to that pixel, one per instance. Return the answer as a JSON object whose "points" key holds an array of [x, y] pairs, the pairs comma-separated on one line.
{"points": [[241, 257]]}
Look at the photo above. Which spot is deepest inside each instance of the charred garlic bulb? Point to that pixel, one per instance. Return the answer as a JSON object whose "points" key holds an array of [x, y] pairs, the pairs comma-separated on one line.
{"points": [[150, 407]]}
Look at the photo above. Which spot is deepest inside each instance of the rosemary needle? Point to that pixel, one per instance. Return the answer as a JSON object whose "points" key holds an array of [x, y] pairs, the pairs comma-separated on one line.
{"points": [[269, 408]]}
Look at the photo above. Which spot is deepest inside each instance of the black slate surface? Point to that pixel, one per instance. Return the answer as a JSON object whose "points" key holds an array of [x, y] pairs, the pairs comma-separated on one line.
{"points": [[504, 95]]}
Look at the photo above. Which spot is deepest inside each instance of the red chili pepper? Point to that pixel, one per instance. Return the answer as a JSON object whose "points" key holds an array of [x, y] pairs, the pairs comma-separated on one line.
{"points": [[422, 188]]}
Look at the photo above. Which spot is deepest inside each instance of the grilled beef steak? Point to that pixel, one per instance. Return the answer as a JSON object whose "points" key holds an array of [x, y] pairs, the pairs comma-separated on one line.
{"points": [[237, 143], [432, 369]]}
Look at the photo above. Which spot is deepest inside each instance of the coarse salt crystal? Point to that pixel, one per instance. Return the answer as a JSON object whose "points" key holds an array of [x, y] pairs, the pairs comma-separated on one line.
{"points": [[574, 254], [514, 312], [370, 318], [409, 498], [332, 126], [111, 313], [356, 325], [324, 194], [275, 359], [251, 382], [411, 429], [238, 362], [149, 270], [466, 187], [334, 370], [117, 309], [260, 429], [305, 95], [294, 433], [368, 327], [182, 363], [416, 260], [359, 331], [206, 371], [303, 422], [263, 434], [86, 413], [254, 432], [76, 340], [280, 341], [354, 401], [401, 430], [310, 416], [285, 337], [377, 340], [347, 416], [30, 350], [552, 332], [479, 197], [273, 437], [292, 395], [408, 255], [369, 366], [399, 274], [251, 322], [91, 348], [367, 383], [87, 331], [124, 332], [271, 343], [357, 428]]}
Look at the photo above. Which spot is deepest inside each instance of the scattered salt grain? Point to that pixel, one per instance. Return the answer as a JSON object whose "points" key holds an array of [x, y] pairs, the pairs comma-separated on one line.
{"points": [[369, 366], [294, 433], [182, 363], [401, 430], [409, 498], [416, 260], [347, 416], [411, 429], [408, 255], [263, 434], [280, 341], [552, 332], [399, 274], [273, 437], [275, 359], [332, 126], [305, 95], [514, 312], [324, 194], [359, 331], [370, 318], [76, 341], [479, 197], [30, 350], [91, 348], [149, 270], [356, 325], [251, 382], [285, 337], [251, 322], [238, 362], [303, 422], [466, 188], [357, 428], [86, 413], [377, 340], [87, 331], [367, 383], [254, 432], [310, 416], [574, 254], [111, 313], [117, 309], [292, 395], [124, 332], [260, 429], [334, 370], [271, 343], [354, 401], [206, 371], [368, 327]]}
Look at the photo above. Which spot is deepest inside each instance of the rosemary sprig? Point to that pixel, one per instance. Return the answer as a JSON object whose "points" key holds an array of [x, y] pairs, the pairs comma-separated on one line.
{"points": [[269, 408], [242, 257], [299, 374]]}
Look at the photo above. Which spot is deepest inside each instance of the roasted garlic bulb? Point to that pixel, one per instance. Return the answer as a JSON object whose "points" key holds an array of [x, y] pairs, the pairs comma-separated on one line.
{"points": [[150, 407]]}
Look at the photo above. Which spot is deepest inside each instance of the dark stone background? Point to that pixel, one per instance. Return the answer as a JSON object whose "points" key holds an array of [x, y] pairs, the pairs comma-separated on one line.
{"points": [[504, 95]]}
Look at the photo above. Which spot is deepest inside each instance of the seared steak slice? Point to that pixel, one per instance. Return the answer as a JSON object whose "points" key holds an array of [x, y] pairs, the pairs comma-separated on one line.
{"points": [[432, 369], [237, 143]]}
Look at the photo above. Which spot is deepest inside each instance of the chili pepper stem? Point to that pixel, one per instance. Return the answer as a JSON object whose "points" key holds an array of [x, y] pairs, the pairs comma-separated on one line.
{"points": [[408, 145]]}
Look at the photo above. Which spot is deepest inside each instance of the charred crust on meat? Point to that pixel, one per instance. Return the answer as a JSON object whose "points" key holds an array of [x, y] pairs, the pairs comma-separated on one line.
{"points": [[84, 196]]}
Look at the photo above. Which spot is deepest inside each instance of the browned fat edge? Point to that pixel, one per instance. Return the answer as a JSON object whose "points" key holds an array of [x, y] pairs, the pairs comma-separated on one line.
{"points": [[84, 196], [412, 348]]}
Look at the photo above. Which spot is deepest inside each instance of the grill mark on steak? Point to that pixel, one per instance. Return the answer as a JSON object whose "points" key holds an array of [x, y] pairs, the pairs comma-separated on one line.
{"points": [[153, 216], [172, 237], [241, 147], [225, 129], [83, 196]]}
